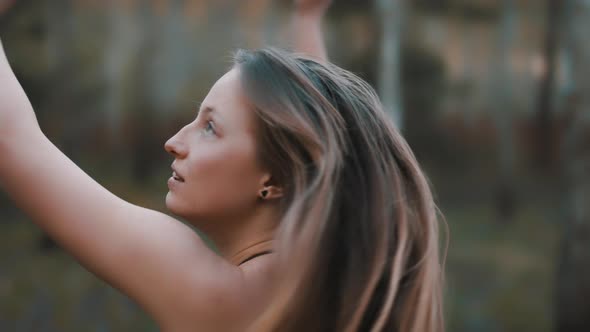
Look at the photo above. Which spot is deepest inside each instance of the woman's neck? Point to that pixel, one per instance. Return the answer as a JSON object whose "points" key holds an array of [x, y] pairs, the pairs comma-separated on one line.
{"points": [[244, 236]]}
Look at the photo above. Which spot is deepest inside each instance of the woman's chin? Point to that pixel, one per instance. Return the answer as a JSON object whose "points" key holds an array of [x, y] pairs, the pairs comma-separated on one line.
{"points": [[177, 207], [171, 203]]}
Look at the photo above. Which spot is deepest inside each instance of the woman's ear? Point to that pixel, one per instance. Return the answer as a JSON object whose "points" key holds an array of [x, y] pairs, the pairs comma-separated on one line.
{"points": [[270, 192], [270, 189]]}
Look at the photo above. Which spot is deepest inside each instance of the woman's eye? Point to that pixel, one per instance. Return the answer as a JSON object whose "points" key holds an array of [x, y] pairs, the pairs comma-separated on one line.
{"points": [[209, 128]]}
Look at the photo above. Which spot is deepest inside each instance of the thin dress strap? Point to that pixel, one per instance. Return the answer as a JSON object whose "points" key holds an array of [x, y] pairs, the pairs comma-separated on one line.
{"points": [[255, 250]]}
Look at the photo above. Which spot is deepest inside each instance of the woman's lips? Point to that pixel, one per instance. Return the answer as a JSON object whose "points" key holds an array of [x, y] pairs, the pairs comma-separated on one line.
{"points": [[175, 180], [176, 177]]}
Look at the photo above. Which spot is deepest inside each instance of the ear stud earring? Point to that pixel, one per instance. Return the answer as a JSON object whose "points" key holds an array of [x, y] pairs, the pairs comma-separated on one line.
{"points": [[264, 193]]}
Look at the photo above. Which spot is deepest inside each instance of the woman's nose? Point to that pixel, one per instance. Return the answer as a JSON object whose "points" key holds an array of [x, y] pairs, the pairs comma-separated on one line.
{"points": [[175, 147]]}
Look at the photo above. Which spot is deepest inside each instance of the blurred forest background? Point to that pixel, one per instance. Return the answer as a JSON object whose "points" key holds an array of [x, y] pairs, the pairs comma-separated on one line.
{"points": [[492, 95]]}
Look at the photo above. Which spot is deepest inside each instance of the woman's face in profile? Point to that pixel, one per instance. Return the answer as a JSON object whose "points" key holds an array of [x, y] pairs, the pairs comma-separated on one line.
{"points": [[218, 175]]}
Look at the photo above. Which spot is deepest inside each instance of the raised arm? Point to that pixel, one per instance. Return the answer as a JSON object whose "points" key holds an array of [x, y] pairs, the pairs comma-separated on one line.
{"points": [[306, 27], [153, 258]]}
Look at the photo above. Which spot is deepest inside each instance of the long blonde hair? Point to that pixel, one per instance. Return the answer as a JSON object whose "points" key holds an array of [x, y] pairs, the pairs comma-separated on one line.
{"points": [[358, 242]]}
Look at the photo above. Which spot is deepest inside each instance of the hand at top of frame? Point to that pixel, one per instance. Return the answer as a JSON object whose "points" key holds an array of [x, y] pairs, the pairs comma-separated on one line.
{"points": [[5, 5], [312, 7]]}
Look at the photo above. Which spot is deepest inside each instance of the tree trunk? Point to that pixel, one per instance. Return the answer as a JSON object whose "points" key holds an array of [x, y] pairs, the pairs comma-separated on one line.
{"points": [[572, 303], [505, 190], [391, 13], [545, 136], [120, 51]]}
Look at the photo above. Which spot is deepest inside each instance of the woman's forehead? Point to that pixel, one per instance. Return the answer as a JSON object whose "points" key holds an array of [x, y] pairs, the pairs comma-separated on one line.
{"points": [[228, 100]]}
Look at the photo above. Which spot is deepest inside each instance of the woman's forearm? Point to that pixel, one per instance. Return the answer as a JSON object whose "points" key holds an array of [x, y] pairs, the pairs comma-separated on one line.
{"points": [[307, 35], [16, 113]]}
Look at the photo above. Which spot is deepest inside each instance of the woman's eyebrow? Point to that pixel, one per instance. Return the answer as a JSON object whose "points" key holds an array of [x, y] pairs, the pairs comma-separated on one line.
{"points": [[213, 112], [207, 109]]}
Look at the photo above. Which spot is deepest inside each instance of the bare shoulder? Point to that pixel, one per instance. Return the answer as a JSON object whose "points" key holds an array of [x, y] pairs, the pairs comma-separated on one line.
{"points": [[259, 275], [221, 298]]}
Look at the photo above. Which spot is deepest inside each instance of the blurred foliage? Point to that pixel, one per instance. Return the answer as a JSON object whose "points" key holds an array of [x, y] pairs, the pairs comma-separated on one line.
{"points": [[471, 10]]}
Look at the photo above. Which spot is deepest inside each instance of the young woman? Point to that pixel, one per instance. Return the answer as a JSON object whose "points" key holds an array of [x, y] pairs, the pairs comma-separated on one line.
{"points": [[322, 216]]}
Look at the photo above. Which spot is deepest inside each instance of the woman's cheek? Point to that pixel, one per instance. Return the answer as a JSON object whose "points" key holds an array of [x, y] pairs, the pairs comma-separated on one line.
{"points": [[208, 179], [207, 164]]}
